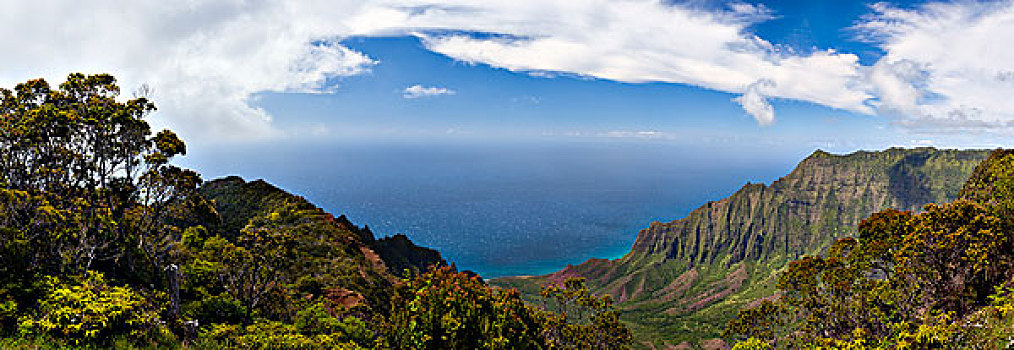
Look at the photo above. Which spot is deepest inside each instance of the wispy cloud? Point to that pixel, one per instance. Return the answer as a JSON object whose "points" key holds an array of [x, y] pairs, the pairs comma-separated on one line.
{"points": [[417, 91], [649, 134], [207, 58]]}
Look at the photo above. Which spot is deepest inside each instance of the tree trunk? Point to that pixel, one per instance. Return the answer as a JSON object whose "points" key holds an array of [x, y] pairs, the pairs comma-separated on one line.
{"points": [[172, 275]]}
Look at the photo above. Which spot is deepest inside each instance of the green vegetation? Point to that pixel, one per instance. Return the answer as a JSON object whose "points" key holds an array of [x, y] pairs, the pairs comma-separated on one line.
{"points": [[445, 309], [938, 279], [105, 244], [684, 280]]}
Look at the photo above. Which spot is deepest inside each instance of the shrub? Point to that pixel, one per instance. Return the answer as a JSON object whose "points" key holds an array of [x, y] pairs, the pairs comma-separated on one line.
{"points": [[91, 311], [445, 309]]}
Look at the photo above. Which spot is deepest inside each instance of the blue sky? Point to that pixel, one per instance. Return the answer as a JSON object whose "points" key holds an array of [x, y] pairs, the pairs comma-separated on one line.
{"points": [[489, 102], [785, 75], [483, 101]]}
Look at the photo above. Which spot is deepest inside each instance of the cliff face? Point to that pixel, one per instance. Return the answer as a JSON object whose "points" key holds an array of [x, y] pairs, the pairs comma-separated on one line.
{"points": [[824, 198], [700, 269]]}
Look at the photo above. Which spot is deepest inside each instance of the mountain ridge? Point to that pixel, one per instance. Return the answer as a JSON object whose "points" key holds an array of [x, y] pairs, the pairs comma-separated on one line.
{"points": [[238, 201], [726, 252]]}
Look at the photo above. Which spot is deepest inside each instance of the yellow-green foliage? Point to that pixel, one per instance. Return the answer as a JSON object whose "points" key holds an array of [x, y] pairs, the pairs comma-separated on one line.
{"points": [[274, 335], [752, 344], [90, 311], [993, 326]]}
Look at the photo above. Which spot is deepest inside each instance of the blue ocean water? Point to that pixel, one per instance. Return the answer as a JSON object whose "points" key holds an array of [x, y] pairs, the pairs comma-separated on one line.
{"points": [[501, 208]]}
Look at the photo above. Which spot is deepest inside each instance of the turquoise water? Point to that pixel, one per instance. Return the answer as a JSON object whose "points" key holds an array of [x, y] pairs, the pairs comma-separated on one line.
{"points": [[501, 209]]}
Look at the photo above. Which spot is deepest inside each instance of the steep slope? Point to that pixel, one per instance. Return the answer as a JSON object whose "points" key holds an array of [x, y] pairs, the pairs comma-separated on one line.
{"points": [[993, 179], [682, 280], [238, 201]]}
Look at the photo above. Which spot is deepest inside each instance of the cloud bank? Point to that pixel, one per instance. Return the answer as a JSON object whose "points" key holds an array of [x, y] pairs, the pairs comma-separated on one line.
{"points": [[945, 64], [948, 66]]}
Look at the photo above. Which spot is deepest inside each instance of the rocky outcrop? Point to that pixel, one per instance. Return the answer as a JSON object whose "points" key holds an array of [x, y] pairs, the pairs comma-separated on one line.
{"points": [[405, 259]]}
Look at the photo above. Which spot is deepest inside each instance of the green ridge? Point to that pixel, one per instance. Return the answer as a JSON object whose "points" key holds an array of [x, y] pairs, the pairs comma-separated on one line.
{"points": [[683, 280]]}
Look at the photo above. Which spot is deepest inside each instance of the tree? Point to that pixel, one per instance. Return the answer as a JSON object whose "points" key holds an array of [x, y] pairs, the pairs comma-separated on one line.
{"points": [[85, 186], [579, 320], [94, 158], [446, 309]]}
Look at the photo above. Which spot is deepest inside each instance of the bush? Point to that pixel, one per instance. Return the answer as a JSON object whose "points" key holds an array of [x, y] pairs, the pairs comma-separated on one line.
{"points": [[317, 319], [445, 309], [92, 311], [216, 309], [272, 335]]}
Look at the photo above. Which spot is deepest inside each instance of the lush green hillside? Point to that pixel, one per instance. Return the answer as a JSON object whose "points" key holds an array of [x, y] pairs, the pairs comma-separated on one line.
{"points": [[238, 201], [104, 243], [683, 280], [942, 278]]}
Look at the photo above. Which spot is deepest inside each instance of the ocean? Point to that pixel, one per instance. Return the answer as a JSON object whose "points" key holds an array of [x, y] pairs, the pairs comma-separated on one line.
{"points": [[501, 208]]}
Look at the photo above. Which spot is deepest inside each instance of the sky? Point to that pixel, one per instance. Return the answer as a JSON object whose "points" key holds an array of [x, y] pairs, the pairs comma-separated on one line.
{"points": [[780, 75]]}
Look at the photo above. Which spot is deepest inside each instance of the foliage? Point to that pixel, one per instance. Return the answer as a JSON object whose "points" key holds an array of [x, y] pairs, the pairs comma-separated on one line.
{"points": [[993, 326], [91, 311], [446, 309], [992, 181], [87, 192], [274, 335], [684, 280], [582, 320], [758, 323], [927, 280], [216, 309], [752, 344], [92, 163]]}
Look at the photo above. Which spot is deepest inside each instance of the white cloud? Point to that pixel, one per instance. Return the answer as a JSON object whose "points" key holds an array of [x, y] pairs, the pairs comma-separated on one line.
{"points": [[642, 41], [947, 65], [417, 91], [755, 103], [205, 59], [647, 135]]}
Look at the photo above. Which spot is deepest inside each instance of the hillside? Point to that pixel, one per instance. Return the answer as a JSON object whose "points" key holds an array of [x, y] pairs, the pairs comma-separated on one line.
{"points": [[940, 278], [238, 201], [105, 243], [683, 280]]}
